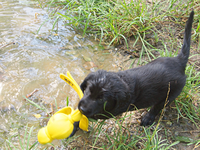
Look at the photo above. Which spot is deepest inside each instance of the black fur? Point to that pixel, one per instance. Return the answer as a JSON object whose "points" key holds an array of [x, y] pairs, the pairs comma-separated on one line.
{"points": [[107, 94]]}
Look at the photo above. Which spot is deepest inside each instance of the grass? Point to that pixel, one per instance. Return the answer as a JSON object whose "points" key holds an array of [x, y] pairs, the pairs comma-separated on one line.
{"points": [[24, 143], [107, 134], [116, 22], [117, 134], [109, 21]]}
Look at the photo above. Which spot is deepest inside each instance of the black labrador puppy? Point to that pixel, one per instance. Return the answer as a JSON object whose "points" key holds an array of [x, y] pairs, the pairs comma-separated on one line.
{"points": [[107, 94]]}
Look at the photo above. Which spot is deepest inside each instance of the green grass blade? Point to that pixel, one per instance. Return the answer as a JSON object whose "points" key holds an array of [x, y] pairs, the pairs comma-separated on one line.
{"points": [[29, 136], [11, 145], [34, 145], [20, 141], [36, 105], [86, 24]]}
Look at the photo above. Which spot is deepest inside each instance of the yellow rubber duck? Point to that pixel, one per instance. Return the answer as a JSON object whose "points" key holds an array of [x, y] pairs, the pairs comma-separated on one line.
{"points": [[60, 125]]}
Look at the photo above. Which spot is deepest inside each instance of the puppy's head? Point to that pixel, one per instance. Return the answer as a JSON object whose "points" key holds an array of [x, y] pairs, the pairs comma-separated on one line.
{"points": [[102, 92]]}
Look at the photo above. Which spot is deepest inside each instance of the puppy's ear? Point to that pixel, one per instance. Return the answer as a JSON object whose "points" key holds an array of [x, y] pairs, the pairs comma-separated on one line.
{"points": [[84, 84], [121, 95]]}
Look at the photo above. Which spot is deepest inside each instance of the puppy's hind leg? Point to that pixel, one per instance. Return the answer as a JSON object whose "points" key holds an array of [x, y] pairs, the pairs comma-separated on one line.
{"points": [[149, 118]]}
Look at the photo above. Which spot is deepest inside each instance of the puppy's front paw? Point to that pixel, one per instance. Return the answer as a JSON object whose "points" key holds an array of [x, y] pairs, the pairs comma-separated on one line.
{"points": [[148, 119], [76, 127]]}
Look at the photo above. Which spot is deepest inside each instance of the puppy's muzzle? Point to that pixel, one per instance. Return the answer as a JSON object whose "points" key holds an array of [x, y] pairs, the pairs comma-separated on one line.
{"points": [[83, 108]]}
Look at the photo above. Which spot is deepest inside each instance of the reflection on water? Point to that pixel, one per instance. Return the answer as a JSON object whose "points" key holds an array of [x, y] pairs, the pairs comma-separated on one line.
{"points": [[29, 61]]}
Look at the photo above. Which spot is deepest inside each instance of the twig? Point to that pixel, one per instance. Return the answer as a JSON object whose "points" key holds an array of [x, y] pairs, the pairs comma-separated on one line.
{"points": [[52, 108], [7, 45], [196, 146], [192, 131], [161, 116], [95, 147], [29, 95]]}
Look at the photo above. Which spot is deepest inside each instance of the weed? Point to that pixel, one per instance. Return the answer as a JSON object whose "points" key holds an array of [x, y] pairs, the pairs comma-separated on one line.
{"points": [[115, 21], [117, 134], [25, 143], [37, 105]]}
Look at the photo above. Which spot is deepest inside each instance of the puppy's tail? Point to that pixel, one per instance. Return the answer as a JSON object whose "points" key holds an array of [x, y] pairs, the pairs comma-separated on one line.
{"points": [[185, 50]]}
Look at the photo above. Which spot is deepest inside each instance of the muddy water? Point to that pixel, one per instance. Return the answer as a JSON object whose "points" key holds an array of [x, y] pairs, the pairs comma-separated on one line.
{"points": [[30, 61]]}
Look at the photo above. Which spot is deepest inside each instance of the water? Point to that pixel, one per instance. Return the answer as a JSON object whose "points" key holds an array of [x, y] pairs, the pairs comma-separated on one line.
{"points": [[30, 61]]}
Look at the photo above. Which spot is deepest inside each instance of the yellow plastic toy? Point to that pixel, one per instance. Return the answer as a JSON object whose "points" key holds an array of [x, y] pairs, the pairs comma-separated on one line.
{"points": [[60, 125]]}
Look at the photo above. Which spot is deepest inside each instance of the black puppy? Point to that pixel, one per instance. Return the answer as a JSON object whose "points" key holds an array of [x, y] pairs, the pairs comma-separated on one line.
{"points": [[107, 94]]}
